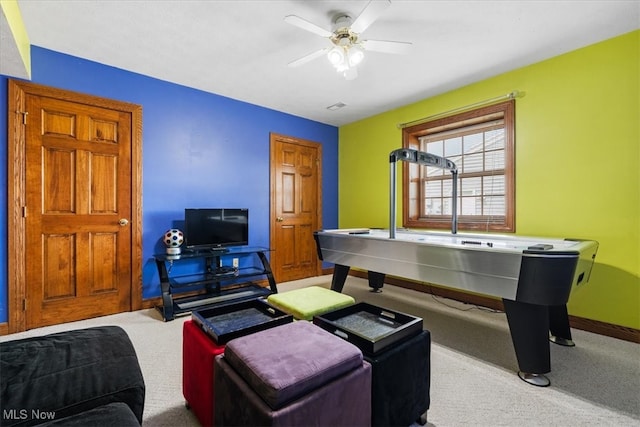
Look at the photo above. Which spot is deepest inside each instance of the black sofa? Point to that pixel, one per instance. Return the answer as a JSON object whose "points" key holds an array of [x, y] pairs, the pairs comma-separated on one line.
{"points": [[86, 377]]}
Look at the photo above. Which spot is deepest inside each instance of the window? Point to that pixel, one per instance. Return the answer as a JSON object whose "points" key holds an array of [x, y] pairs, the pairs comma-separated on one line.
{"points": [[481, 144]]}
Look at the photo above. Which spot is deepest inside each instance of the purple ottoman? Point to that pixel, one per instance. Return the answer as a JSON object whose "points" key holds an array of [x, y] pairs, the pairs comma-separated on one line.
{"points": [[296, 374]]}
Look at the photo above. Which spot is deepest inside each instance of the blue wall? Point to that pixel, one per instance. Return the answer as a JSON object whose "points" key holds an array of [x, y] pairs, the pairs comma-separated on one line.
{"points": [[199, 150]]}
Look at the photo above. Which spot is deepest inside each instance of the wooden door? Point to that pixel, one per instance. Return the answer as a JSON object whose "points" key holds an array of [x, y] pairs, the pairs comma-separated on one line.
{"points": [[295, 207], [80, 220]]}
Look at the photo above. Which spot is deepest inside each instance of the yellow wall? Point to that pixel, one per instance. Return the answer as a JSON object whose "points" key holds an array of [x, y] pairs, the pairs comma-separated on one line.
{"points": [[577, 163], [11, 12]]}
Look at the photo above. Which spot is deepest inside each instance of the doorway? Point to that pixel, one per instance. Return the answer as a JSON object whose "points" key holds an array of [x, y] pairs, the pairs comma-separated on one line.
{"points": [[74, 178], [296, 208]]}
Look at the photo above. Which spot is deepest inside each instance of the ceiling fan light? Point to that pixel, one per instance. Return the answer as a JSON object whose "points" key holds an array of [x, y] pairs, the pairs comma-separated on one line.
{"points": [[350, 74], [342, 67], [355, 55], [336, 56]]}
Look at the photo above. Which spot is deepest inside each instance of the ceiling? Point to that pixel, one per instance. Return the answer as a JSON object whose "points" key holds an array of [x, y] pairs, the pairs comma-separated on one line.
{"points": [[240, 49]]}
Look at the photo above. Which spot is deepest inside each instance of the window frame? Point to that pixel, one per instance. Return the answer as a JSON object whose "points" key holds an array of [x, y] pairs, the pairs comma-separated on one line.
{"points": [[411, 139]]}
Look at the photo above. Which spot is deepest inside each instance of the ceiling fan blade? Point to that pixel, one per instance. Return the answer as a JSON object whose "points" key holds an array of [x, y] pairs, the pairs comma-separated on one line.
{"points": [[387, 46], [308, 58], [306, 25], [368, 16]]}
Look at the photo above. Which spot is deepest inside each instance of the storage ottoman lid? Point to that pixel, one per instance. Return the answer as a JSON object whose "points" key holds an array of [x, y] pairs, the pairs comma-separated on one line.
{"points": [[283, 363], [304, 303]]}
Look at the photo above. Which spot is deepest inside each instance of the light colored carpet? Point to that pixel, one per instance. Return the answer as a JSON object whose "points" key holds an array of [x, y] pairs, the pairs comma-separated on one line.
{"points": [[473, 366]]}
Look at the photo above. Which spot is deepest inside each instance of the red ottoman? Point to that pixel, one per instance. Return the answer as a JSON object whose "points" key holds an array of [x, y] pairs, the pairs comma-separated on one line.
{"points": [[198, 354]]}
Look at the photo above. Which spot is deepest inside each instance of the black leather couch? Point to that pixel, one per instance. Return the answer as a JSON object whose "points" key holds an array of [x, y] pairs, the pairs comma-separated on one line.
{"points": [[87, 377]]}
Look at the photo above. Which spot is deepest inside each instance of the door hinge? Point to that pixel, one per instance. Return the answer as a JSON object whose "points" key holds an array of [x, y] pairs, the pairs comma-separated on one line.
{"points": [[24, 116], [24, 212], [24, 304]]}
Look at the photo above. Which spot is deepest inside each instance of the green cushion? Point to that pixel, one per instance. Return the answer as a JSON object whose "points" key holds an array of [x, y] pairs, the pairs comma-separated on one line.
{"points": [[305, 303]]}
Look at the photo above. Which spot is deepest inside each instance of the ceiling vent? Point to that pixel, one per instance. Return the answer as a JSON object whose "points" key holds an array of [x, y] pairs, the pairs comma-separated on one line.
{"points": [[336, 106]]}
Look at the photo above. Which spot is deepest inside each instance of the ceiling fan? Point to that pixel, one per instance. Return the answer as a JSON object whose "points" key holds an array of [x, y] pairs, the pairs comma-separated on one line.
{"points": [[346, 50]]}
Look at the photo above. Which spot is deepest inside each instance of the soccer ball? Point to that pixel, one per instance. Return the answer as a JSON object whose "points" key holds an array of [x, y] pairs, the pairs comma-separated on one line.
{"points": [[173, 238]]}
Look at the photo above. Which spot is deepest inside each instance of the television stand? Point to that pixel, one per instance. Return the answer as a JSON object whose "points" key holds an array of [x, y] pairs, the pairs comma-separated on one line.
{"points": [[205, 280], [219, 250], [204, 251]]}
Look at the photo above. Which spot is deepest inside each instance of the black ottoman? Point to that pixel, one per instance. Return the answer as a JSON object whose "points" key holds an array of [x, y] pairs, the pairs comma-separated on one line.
{"points": [[400, 383]]}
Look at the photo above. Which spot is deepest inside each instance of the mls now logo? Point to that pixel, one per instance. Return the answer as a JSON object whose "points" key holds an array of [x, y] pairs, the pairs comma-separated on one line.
{"points": [[23, 414]]}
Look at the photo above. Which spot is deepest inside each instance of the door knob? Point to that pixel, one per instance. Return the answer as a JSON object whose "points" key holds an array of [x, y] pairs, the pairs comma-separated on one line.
{"points": [[123, 222], [279, 219]]}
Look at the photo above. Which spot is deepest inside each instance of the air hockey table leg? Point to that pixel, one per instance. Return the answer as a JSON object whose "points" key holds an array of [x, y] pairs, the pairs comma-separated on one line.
{"points": [[529, 325], [559, 326], [376, 281], [340, 273]]}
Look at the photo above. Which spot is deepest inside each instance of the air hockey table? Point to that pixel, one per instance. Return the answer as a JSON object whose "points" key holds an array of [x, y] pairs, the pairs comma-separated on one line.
{"points": [[533, 276]]}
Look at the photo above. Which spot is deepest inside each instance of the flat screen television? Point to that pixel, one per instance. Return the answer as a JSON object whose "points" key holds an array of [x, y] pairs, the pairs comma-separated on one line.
{"points": [[215, 228]]}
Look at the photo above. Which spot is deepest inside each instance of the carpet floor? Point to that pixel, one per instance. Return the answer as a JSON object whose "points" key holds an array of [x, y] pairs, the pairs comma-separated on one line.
{"points": [[473, 366]]}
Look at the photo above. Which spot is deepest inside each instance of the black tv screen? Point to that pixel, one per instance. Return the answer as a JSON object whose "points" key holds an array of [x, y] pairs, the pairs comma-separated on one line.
{"points": [[216, 228]]}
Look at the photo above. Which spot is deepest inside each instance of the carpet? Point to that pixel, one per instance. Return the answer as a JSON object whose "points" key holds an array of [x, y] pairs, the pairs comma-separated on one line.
{"points": [[473, 371]]}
